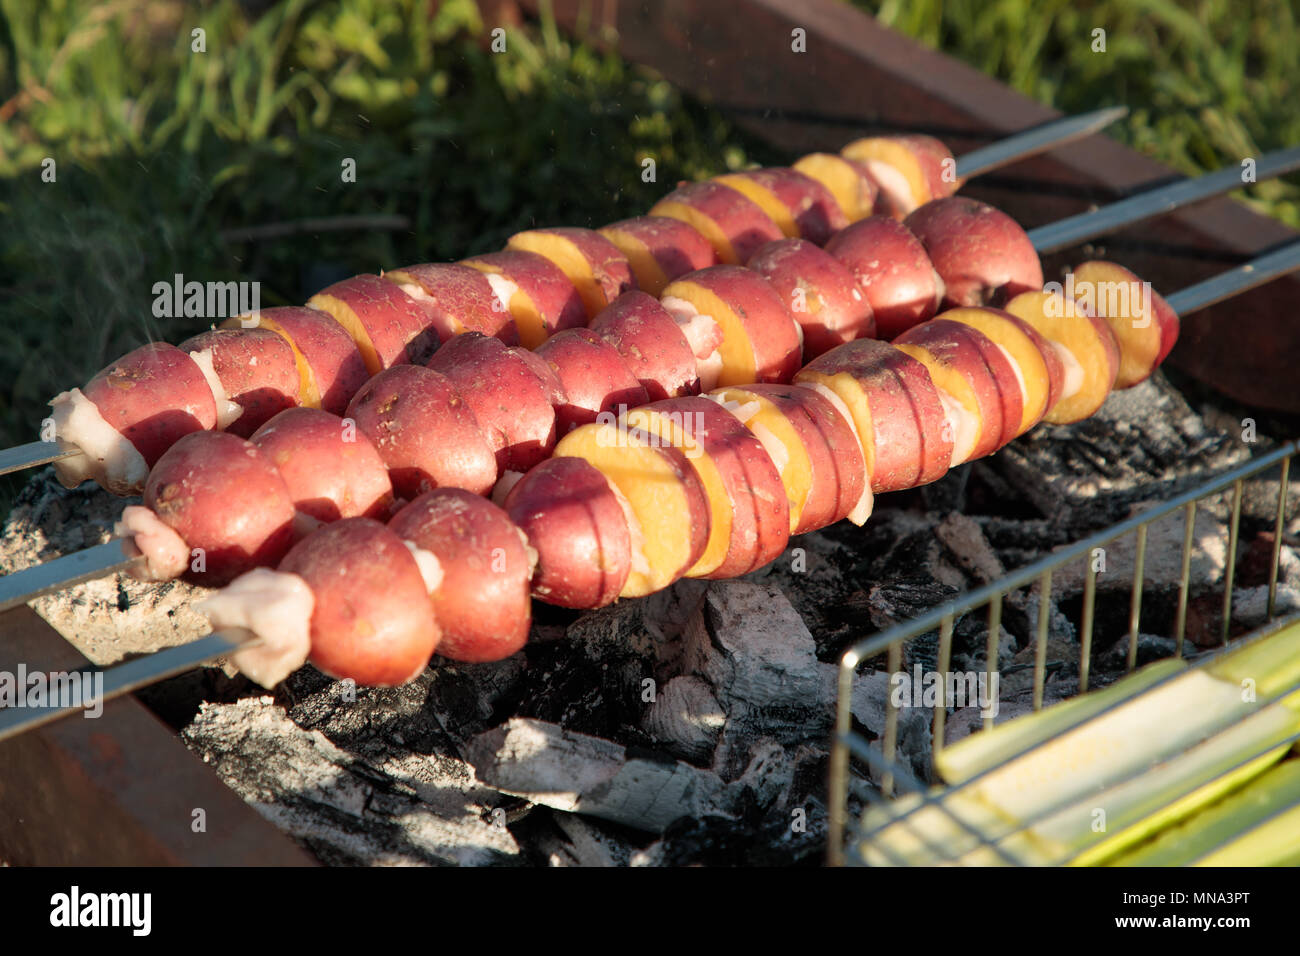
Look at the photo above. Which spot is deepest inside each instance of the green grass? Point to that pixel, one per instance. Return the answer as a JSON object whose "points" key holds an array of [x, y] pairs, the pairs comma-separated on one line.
{"points": [[160, 149], [1207, 82]]}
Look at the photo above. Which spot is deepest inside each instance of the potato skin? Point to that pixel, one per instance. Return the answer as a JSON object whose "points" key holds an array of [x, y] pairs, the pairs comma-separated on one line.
{"points": [[651, 343], [221, 494], [335, 360], [982, 254], [332, 471], [512, 394], [577, 527], [740, 223], [593, 376], [834, 310], [462, 299], [400, 329], [257, 369], [676, 247], [893, 271], [373, 620], [552, 294], [911, 445], [424, 431], [153, 396], [761, 316], [482, 605], [835, 459], [760, 511]]}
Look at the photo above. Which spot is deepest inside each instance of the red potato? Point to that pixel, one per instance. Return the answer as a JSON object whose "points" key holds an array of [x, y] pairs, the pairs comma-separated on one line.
{"points": [[816, 451], [1085, 345], [893, 272], [800, 205], [482, 603], [760, 337], [331, 470], [853, 187], [592, 375], [545, 300], [425, 432], [330, 366], [574, 521], [820, 292], [910, 170], [511, 392], [389, 327], [665, 503], [226, 500], [463, 299], [895, 407], [1145, 327], [1042, 373], [981, 253], [372, 621], [153, 396], [596, 267], [659, 249], [651, 343], [732, 222], [257, 369], [749, 510], [964, 363]]}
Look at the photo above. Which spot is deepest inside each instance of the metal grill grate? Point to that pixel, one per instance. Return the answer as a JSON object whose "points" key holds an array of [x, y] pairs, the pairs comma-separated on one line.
{"points": [[847, 838]]}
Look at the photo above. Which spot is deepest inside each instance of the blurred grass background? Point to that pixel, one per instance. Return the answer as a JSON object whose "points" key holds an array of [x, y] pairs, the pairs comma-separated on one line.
{"points": [[159, 149]]}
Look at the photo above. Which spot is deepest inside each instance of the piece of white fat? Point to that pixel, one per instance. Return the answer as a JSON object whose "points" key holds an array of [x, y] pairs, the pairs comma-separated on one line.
{"points": [[774, 447], [862, 510], [102, 453], [710, 370], [1020, 375], [965, 427], [143, 533], [893, 184], [430, 566], [503, 289], [703, 335], [502, 488], [636, 536], [701, 331], [227, 411], [743, 411], [273, 607], [1073, 372]]}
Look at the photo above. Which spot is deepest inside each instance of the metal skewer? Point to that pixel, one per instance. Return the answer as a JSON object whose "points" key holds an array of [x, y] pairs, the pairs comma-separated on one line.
{"points": [[143, 671], [123, 679], [1157, 202], [1040, 139], [65, 571]]}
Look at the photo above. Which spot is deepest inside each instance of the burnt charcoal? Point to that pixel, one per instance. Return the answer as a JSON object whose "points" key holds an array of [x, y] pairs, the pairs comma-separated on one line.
{"points": [[1145, 442], [565, 839], [386, 808], [817, 575], [949, 492], [720, 841], [1150, 647]]}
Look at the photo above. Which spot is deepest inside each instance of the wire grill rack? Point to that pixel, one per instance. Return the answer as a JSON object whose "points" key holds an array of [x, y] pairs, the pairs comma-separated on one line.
{"points": [[849, 838]]}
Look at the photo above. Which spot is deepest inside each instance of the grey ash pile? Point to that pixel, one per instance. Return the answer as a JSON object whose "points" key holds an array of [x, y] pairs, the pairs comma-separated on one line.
{"points": [[691, 726]]}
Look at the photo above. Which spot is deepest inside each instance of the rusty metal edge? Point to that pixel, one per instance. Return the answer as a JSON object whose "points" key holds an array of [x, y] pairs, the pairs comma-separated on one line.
{"points": [[117, 790]]}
